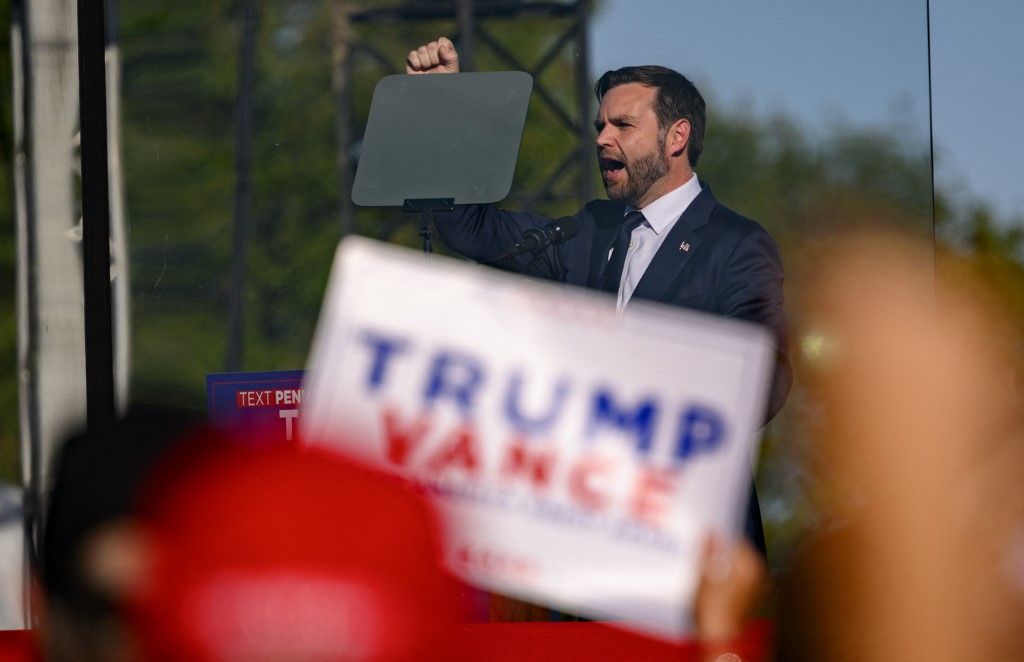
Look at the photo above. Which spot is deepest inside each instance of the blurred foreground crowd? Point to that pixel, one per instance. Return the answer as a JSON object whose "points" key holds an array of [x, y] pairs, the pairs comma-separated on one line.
{"points": [[164, 540]]}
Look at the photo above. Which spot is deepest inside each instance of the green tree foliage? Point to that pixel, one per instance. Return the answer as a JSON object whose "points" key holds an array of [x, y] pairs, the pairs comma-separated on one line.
{"points": [[178, 95], [180, 68], [994, 249], [180, 71], [771, 170]]}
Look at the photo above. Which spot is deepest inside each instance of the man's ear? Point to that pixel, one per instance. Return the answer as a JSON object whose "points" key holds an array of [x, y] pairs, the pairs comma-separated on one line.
{"points": [[677, 138]]}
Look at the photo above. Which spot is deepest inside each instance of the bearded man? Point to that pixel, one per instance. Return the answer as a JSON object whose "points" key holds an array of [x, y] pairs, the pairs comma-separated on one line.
{"points": [[660, 236]]}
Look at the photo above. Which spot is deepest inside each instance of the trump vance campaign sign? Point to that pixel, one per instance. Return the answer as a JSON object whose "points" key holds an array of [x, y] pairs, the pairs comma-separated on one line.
{"points": [[581, 457]]}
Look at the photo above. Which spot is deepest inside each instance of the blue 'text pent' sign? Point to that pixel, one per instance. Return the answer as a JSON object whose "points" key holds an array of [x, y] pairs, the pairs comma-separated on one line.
{"points": [[247, 400]]}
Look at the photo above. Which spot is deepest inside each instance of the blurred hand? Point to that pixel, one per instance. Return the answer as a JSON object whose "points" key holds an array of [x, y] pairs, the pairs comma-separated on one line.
{"points": [[734, 578], [917, 436], [437, 57]]}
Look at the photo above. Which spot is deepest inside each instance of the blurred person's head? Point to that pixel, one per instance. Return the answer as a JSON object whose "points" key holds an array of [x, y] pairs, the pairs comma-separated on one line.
{"points": [[914, 367], [96, 478], [278, 553]]}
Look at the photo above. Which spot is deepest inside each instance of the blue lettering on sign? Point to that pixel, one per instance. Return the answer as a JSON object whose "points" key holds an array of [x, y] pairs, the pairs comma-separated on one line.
{"points": [[459, 376], [701, 430], [639, 421], [540, 423], [456, 376], [383, 348]]}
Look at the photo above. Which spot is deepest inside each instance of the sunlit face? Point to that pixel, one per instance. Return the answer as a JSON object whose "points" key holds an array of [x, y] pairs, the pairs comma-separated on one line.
{"points": [[631, 145]]}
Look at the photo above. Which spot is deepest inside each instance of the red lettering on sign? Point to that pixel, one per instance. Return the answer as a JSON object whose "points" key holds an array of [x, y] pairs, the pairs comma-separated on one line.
{"points": [[400, 440], [521, 459], [583, 482], [459, 450], [594, 482], [494, 562], [651, 495]]}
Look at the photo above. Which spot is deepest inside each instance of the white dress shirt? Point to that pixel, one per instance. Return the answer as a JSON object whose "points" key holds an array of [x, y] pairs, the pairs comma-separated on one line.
{"points": [[660, 216]]}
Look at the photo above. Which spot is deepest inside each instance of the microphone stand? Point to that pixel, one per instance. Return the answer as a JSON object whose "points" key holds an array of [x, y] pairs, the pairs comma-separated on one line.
{"points": [[538, 257]]}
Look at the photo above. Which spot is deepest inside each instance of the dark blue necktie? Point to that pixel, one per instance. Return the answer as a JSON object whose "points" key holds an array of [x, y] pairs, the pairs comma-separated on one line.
{"points": [[613, 270]]}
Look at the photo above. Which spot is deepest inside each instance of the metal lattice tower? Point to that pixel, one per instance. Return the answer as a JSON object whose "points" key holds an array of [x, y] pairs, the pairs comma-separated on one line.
{"points": [[571, 176]]}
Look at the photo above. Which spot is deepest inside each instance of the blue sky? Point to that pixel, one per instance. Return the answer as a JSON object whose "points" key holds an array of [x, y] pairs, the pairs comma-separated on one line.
{"points": [[853, 63]]}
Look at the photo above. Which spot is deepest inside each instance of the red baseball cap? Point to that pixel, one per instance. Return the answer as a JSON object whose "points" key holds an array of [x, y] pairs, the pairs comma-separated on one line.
{"points": [[287, 553]]}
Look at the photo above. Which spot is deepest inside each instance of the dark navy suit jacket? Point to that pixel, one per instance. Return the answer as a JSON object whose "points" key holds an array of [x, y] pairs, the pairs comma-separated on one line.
{"points": [[730, 267]]}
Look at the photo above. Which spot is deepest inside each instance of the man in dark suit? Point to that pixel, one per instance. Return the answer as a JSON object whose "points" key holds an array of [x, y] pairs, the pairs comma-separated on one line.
{"points": [[661, 236]]}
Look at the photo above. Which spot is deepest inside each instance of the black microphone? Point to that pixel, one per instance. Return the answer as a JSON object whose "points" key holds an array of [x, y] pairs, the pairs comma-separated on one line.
{"points": [[537, 239]]}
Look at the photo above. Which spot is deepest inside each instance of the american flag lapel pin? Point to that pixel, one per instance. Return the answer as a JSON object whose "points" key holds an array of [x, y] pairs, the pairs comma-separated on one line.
{"points": [[684, 247]]}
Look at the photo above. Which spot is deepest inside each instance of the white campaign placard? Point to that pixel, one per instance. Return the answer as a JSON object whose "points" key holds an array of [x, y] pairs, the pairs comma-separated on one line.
{"points": [[580, 457]]}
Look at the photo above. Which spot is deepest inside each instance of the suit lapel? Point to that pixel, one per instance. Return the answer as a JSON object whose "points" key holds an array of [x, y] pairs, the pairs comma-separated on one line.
{"points": [[679, 246]]}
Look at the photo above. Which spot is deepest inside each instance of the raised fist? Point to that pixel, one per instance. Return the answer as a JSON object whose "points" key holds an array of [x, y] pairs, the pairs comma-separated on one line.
{"points": [[437, 57]]}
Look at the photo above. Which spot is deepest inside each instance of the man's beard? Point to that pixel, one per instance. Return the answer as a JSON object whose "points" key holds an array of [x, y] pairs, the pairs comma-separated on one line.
{"points": [[641, 176]]}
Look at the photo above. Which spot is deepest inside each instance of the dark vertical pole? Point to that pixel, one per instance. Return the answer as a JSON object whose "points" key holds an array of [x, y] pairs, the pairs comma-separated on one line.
{"points": [[243, 186], [583, 92], [29, 411], [931, 130], [466, 20], [341, 56], [92, 91], [110, 6]]}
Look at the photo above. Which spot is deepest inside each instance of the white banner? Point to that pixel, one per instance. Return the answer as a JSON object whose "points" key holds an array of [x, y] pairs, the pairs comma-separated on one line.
{"points": [[581, 457]]}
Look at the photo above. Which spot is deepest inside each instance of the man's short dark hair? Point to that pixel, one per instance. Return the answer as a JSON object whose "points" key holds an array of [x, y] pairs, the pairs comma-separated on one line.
{"points": [[677, 98]]}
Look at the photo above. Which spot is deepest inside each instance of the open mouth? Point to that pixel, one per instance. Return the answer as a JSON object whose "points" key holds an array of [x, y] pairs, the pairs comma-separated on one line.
{"points": [[611, 167]]}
